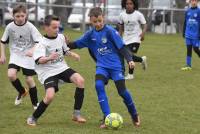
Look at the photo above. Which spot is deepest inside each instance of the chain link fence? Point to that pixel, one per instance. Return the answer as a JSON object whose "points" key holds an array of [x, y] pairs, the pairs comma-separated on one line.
{"points": [[165, 21]]}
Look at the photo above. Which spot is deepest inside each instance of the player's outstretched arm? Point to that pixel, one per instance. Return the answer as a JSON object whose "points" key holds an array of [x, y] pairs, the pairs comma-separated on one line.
{"points": [[3, 55], [44, 59]]}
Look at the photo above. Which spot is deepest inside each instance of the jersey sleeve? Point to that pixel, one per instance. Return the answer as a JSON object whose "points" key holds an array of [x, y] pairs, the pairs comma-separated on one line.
{"points": [[40, 51], [5, 37], [35, 34], [83, 41], [142, 19], [116, 39]]}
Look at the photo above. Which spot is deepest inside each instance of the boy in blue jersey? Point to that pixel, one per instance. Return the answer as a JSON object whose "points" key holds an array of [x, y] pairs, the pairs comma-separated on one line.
{"points": [[108, 49], [191, 32]]}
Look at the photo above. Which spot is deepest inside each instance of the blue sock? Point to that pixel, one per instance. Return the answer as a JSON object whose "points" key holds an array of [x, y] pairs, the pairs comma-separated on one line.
{"points": [[188, 61], [128, 102], [102, 98]]}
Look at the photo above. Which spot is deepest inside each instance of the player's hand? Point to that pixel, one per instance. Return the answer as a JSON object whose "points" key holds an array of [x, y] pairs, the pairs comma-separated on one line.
{"points": [[67, 40], [131, 64], [53, 56], [2, 60], [76, 57], [29, 53], [142, 36]]}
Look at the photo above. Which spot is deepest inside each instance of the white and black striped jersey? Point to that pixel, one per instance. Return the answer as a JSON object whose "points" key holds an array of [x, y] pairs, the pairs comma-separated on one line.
{"points": [[43, 49], [132, 26], [20, 39]]}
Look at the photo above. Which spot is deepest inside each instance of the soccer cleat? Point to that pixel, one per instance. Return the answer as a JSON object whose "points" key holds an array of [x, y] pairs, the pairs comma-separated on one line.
{"points": [[144, 62], [31, 121], [136, 120], [35, 107], [18, 99], [129, 77], [186, 68], [78, 118]]}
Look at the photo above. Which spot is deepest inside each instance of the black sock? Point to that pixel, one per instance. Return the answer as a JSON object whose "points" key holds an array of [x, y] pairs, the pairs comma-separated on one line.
{"points": [[137, 59], [40, 110], [18, 86], [79, 96], [130, 71], [33, 95]]}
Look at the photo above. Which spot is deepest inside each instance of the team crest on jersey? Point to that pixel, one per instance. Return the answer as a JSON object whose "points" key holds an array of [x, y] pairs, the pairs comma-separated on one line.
{"points": [[195, 15], [104, 40]]}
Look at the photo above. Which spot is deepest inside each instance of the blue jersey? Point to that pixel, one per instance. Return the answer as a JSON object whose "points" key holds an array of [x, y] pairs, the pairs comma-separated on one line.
{"points": [[192, 23], [104, 45]]}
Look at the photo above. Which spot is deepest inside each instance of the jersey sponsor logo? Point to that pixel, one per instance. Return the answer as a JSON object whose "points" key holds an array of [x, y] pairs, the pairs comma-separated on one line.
{"points": [[195, 15], [104, 40], [104, 50]]}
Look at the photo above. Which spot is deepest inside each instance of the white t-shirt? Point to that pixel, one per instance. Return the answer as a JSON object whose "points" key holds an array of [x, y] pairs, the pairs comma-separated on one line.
{"points": [[44, 49], [21, 38], [132, 26]]}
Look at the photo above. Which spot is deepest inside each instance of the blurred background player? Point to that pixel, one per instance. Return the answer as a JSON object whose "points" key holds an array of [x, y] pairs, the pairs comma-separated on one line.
{"points": [[132, 26], [191, 32], [21, 35], [108, 49], [51, 68]]}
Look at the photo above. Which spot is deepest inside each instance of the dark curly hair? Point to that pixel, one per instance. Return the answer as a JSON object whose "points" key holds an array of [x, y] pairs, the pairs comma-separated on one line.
{"points": [[135, 3]]}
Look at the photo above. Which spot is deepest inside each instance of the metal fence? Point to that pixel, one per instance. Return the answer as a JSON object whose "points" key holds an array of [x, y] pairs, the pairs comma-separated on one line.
{"points": [[163, 21]]}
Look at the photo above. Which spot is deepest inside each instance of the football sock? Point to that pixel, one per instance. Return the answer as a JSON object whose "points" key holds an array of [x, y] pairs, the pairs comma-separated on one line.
{"points": [[18, 86], [102, 98], [79, 96], [197, 50], [77, 112], [128, 102], [137, 59], [130, 71], [188, 61], [40, 110], [33, 95]]}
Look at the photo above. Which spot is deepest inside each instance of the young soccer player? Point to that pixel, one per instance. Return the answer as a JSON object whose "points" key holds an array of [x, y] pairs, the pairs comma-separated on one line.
{"points": [[51, 68], [21, 35], [109, 51], [191, 32], [132, 25]]}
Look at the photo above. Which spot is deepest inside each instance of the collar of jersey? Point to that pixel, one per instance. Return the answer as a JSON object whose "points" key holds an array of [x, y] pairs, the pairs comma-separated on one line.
{"points": [[51, 38], [130, 12], [193, 7], [100, 29], [21, 24]]}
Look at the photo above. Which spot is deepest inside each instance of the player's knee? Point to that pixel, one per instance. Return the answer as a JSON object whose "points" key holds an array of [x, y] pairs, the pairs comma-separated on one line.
{"points": [[80, 82], [12, 76], [99, 85], [49, 98], [30, 81]]}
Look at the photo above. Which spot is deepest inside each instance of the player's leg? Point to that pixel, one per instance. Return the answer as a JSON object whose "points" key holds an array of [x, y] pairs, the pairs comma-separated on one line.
{"points": [[189, 55], [196, 47], [72, 76], [100, 79], [51, 87], [31, 85], [118, 78], [12, 75]]}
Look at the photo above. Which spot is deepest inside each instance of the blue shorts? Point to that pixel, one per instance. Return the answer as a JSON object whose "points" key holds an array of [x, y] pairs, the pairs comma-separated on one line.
{"points": [[115, 75], [193, 42]]}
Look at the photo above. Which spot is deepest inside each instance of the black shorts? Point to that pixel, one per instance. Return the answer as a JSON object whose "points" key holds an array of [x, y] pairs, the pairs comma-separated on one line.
{"points": [[53, 81], [133, 47], [25, 71]]}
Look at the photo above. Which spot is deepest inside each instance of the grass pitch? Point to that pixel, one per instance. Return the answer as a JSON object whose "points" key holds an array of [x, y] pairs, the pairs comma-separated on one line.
{"points": [[167, 98]]}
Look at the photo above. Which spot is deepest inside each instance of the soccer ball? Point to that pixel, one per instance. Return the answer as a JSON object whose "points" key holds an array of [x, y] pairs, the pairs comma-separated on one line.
{"points": [[114, 121]]}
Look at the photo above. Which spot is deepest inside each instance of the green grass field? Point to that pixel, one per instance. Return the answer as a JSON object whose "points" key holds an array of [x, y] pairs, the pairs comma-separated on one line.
{"points": [[167, 98]]}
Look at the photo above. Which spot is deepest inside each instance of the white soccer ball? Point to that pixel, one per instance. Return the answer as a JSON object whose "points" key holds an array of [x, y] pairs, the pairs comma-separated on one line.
{"points": [[114, 121]]}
